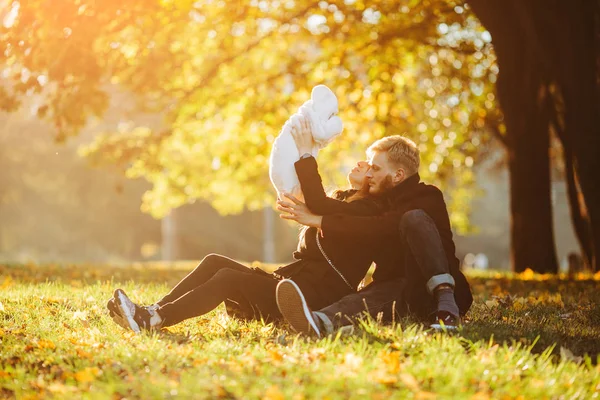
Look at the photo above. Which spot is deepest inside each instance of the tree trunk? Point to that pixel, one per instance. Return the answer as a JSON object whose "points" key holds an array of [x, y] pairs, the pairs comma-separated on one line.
{"points": [[170, 240], [532, 235], [522, 90], [577, 73], [579, 216]]}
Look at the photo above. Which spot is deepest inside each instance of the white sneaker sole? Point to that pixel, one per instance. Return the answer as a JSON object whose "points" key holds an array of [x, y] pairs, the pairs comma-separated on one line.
{"points": [[121, 322], [440, 327], [123, 302], [294, 309]]}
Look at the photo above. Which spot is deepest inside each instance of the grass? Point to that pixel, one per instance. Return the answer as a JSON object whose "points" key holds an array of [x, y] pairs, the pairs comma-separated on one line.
{"points": [[527, 336]]}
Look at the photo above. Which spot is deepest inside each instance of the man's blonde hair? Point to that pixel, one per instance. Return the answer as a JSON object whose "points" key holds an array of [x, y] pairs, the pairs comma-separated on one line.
{"points": [[401, 151]]}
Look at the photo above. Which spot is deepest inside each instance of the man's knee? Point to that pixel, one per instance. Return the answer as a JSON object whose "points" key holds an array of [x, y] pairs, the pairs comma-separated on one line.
{"points": [[413, 219]]}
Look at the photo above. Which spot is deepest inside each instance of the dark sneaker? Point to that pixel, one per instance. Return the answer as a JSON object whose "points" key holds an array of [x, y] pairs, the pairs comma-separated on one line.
{"points": [[445, 321], [115, 313], [294, 309], [137, 318]]}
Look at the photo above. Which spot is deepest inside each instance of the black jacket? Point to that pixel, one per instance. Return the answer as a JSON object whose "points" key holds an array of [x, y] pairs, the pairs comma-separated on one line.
{"points": [[347, 254], [381, 234]]}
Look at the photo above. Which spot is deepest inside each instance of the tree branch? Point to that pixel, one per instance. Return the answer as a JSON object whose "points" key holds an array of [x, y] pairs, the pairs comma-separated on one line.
{"points": [[215, 69]]}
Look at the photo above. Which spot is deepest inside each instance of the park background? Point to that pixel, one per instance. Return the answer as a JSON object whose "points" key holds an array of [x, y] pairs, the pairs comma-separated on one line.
{"points": [[135, 137], [128, 138]]}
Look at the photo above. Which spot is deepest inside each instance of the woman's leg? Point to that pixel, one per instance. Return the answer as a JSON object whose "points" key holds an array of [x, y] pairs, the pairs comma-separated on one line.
{"points": [[207, 268], [253, 292]]}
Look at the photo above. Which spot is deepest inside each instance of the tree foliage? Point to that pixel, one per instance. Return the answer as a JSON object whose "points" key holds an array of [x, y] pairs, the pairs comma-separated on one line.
{"points": [[225, 76]]}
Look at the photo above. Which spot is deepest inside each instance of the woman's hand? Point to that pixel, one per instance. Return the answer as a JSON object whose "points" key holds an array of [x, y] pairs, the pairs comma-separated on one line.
{"points": [[303, 136], [296, 210]]}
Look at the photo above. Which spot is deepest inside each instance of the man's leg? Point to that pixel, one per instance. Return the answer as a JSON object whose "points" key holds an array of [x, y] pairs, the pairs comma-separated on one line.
{"points": [[424, 250], [383, 298]]}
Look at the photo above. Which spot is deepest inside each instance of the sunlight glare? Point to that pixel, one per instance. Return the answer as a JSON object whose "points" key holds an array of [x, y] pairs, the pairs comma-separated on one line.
{"points": [[11, 17]]}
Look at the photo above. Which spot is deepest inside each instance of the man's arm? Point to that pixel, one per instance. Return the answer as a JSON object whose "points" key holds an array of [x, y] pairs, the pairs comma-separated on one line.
{"points": [[369, 227], [361, 227]]}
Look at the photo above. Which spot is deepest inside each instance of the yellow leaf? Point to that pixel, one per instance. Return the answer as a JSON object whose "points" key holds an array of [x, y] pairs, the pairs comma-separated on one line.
{"points": [[46, 344], [275, 355], [8, 281], [57, 387], [409, 381], [480, 396], [87, 374], [83, 354], [392, 360], [425, 396], [492, 303], [273, 393], [527, 275], [519, 303], [383, 377]]}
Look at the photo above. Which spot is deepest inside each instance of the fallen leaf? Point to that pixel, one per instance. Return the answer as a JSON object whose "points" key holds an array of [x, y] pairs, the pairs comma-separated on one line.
{"points": [[8, 281], [492, 303], [409, 381], [46, 344], [568, 355], [353, 361], [425, 396], [273, 393], [87, 374], [82, 316]]}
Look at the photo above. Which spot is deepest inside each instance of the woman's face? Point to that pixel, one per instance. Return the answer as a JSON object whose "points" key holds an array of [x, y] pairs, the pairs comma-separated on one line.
{"points": [[356, 177]]}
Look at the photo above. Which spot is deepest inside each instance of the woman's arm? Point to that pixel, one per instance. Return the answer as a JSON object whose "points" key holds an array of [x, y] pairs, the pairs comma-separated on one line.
{"points": [[312, 186], [316, 199]]}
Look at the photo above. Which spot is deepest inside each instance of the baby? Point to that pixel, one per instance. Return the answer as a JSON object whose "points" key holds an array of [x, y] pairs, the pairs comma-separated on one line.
{"points": [[321, 112]]}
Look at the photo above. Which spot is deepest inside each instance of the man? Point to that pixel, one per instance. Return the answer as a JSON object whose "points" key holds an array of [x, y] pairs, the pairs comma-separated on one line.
{"points": [[416, 270]]}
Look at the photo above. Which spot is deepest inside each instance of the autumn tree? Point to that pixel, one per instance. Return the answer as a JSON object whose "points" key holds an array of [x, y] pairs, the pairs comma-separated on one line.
{"points": [[548, 54], [227, 76]]}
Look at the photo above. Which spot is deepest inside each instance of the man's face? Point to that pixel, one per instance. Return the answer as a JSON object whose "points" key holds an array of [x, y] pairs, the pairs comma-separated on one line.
{"points": [[382, 175]]}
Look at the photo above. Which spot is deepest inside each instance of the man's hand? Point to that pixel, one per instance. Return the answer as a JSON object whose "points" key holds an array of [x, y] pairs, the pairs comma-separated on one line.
{"points": [[297, 211], [303, 136]]}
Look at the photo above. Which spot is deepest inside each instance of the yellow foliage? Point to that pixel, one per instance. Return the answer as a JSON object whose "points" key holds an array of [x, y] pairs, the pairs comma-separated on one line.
{"points": [[86, 375], [273, 393]]}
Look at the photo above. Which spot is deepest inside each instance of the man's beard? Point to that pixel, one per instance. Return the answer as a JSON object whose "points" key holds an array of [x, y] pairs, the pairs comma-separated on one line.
{"points": [[385, 185]]}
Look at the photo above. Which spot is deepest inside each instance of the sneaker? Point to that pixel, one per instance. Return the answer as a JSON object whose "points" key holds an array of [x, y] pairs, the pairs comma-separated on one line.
{"points": [[115, 313], [137, 318], [445, 321], [294, 309], [113, 309]]}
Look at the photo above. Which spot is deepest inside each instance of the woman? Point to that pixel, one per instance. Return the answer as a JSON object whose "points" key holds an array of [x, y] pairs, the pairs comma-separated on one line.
{"points": [[326, 269]]}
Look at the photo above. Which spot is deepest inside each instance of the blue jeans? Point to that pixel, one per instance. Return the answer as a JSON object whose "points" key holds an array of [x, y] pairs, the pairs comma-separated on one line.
{"points": [[425, 264]]}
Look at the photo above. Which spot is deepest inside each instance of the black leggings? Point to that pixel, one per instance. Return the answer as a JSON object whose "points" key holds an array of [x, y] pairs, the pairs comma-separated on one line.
{"points": [[217, 279]]}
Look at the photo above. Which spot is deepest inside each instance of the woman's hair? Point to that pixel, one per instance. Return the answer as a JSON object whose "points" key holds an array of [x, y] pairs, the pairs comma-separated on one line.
{"points": [[352, 194]]}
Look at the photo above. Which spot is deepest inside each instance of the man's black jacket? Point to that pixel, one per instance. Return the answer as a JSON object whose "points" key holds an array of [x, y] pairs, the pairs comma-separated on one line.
{"points": [[381, 234]]}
